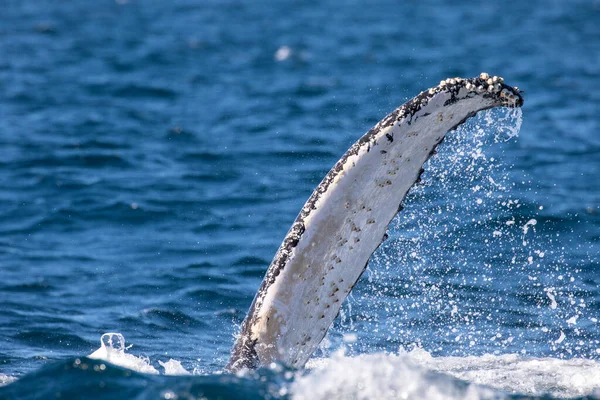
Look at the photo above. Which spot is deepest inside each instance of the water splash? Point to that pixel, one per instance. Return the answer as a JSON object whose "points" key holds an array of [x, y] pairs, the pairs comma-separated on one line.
{"points": [[438, 281], [112, 349], [416, 374]]}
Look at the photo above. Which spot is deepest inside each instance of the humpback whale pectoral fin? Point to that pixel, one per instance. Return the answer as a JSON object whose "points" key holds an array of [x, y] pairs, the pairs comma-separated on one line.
{"points": [[345, 220]]}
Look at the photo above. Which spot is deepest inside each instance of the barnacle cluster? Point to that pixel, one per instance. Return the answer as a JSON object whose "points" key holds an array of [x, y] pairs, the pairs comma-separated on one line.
{"points": [[482, 85]]}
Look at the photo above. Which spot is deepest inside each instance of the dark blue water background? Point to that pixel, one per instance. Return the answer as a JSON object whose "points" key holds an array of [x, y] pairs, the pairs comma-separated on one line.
{"points": [[155, 153]]}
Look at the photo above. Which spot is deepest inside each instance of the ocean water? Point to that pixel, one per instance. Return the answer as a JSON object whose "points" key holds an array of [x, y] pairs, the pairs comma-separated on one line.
{"points": [[154, 155]]}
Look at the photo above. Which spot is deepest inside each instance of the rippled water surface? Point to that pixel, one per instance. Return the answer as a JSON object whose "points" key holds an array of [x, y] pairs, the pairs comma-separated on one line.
{"points": [[154, 154]]}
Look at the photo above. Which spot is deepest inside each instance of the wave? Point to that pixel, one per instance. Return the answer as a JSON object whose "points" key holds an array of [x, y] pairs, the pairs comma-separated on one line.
{"points": [[408, 374], [416, 374]]}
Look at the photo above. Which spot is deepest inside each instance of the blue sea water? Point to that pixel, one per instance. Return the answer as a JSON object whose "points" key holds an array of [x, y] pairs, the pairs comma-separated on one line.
{"points": [[154, 155]]}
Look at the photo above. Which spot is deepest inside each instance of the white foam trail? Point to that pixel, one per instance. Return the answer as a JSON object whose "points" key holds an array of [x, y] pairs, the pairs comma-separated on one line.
{"points": [[409, 375]]}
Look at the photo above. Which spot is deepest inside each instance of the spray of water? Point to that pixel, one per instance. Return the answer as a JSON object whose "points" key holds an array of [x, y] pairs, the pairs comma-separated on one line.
{"points": [[470, 266]]}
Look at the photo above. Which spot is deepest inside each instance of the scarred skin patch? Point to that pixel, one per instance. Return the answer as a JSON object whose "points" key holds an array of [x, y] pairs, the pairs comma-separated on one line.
{"points": [[345, 219]]}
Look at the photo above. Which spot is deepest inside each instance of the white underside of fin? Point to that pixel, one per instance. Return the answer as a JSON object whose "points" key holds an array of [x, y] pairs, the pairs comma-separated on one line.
{"points": [[342, 224]]}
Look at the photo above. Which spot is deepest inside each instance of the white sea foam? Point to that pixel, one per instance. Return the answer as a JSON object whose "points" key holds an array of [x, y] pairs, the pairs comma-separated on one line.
{"points": [[379, 376], [173, 367], [6, 379], [112, 349], [416, 374], [513, 373], [408, 375]]}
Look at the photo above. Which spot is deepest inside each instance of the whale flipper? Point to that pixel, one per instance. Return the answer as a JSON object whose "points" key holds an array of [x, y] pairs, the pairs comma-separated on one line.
{"points": [[345, 219]]}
